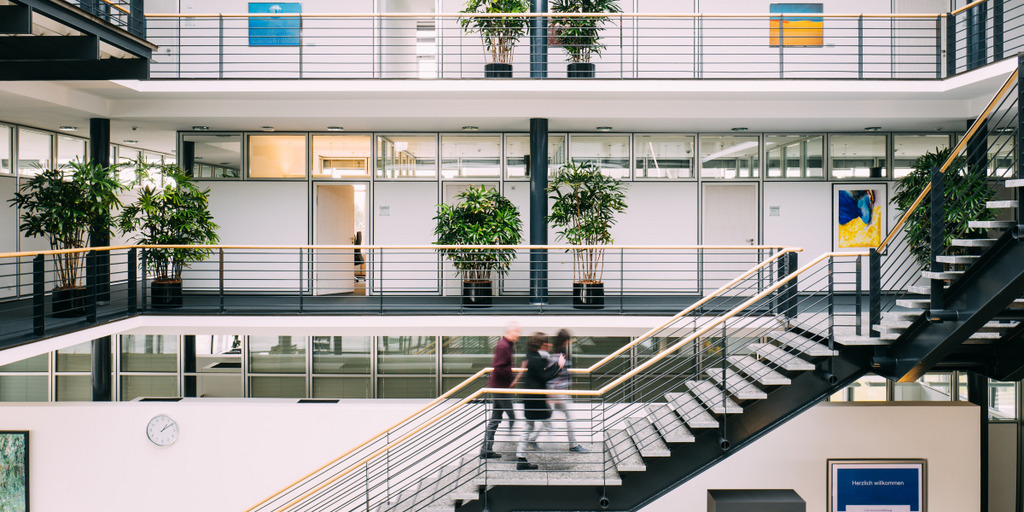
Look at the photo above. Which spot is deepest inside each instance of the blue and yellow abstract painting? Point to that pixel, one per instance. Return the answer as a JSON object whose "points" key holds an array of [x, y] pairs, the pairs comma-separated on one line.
{"points": [[859, 218], [794, 29]]}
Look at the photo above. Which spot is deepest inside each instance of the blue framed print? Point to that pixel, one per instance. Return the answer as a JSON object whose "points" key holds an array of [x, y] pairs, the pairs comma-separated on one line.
{"points": [[878, 485], [273, 30]]}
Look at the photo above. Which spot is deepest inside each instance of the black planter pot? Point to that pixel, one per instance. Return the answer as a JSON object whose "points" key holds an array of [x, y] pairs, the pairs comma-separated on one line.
{"points": [[497, 70], [874, 172], [68, 302], [581, 70], [477, 294], [588, 295], [166, 294]]}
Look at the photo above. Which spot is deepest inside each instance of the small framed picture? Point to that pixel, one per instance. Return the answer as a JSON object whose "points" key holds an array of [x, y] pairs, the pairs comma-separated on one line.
{"points": [[877, 485], [859, 215], [14, 470]]}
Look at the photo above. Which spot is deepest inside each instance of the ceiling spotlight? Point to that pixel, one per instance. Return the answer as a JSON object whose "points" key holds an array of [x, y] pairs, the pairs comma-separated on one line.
{"points": [[604, 128], [68, 128], [267, 128], [334, 128], [130, 141], [740, 129], [201, 128], [872, 128], [469, 128]]}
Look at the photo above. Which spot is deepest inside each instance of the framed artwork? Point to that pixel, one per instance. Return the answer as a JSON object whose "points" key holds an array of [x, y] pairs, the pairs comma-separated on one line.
{"points": [[272, 30], [859, 215], [879, 485], [797, 25], [14, 471]]}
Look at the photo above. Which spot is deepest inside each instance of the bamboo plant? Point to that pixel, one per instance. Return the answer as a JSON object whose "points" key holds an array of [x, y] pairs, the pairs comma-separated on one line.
{"points": [[580, 36], [481, 216], [585, 203], [499, 33]]}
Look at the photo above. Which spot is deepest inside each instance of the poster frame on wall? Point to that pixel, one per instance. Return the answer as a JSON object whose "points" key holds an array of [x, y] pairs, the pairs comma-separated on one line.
{"points": [[845, 495]]}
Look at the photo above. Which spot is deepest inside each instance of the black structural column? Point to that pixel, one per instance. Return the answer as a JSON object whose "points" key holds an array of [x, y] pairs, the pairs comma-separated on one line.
{"points": [[189, 360], [99, 152], [101, 370], [538, 40], [977, 394], [538, 169]]}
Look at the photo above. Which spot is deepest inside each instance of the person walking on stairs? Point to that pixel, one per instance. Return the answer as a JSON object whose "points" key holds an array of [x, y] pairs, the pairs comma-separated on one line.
{"points": [[563, 381], [539, 370], [501, 377]]}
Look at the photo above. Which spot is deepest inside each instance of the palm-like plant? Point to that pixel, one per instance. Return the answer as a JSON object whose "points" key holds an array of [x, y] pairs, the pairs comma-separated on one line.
{"points": [[585, 204], [499, 33], [481, 217], [580, 35]]}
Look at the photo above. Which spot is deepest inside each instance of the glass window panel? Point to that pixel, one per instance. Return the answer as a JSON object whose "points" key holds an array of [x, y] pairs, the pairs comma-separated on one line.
{"points": [[517, 151], [277, 387], [587, 350], [858, 156], [466, 354], [6, 152], [211, 155], [40, 363], [149, 353], [406, 156], [1002, 400], [341, 354], [341, 387], [870, 388], [1001, 160], [23, 388], [907, 148], [729, 156], [961, 380], [663, 156], [450, 382], [406, 387], [70, 149], [157, 386], [795, 156], [406, 354], [34, 151], [74, 388], [609, 152], [277, 156], [470, 156], [77, 358], [932, 387], [680, 362], [218, 366], [342, 156], [277, 354]]}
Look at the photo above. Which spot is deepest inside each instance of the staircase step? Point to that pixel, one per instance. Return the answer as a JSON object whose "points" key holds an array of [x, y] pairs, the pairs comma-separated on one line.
{"points": [[758, 371], [995, 326], [900, 315], [690, 410], [736, 385], [780, 358], [669, 424], [919, 304], [863, 341], [942, 276], [624, 454], [972, 242], [806, 346], [966, 259], [985, 337], [711, 397], [920, 290], [1001, 204], [990, 224], [465, 487], [1013, 183], [646, 438], [447, 478]]}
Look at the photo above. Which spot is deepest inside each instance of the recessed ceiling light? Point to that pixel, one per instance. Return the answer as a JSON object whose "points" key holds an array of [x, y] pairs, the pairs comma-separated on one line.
{"points": [[68, 128], [470, 128], [740, 129], [604, 128], [872, 128], [200, 128], [334, 128], [130, 141], [267, 128]]}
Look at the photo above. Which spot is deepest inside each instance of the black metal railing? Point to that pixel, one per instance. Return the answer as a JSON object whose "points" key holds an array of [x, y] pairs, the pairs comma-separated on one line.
{"points": [[127, 15]]}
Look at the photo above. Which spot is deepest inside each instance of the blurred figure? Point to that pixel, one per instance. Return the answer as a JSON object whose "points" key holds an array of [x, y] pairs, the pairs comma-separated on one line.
{"points": [[501, 377], [563, 381], [539, 370]]}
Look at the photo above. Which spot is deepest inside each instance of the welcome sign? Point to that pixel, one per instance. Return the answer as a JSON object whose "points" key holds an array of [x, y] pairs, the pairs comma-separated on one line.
{"points": [[876, 485]]}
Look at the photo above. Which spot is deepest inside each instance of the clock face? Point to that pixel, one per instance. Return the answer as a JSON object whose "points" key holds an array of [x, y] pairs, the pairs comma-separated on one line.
{"points": [[162, 430]]}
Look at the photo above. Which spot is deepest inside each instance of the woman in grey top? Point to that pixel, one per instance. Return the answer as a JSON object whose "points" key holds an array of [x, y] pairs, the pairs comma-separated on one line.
{"points": [[563, 381]]}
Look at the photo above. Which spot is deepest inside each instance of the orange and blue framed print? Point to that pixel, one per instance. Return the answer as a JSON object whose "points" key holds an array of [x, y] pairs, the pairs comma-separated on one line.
{"points": [[796, 25], [859, 216]]}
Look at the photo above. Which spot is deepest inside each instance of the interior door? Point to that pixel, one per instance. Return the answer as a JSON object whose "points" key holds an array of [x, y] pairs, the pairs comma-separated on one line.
{"points": [[340, 220], [729, 217]]}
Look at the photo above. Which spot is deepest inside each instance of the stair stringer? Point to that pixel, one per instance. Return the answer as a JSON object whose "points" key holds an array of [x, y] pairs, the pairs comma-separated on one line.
{"points": [[688, 459]]}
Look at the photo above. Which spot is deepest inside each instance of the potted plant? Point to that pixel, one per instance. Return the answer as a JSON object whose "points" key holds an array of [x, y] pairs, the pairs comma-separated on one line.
{"points": [[584, 206], [499, 33], [175, 213], [64, 205], [482, 216], [964, 187], [580, 35]]}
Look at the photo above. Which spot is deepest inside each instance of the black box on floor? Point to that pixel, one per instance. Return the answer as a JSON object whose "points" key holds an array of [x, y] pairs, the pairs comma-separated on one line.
{"points": [[755, 500]]}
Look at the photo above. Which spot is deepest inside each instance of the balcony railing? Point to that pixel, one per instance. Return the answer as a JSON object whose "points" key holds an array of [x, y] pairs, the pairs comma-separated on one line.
{"points": [[636, 45], [124, 14]]}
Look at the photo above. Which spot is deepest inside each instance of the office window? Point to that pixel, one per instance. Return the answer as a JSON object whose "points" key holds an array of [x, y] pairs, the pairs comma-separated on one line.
{"points": [[932, 387], [277, 354], [6, 152], [158, 386], [466, 355], [73, 388], [39, 363], [77, 358], [870, 388], [610, 153], [23, 388], [907, 148], [341, 354], [206, 156], [729, 156], [277, 387], [1002, 400], [406, 355], [517, 155], [341, 387], [858, 156], [342, 156], [35, 151], [149, 353], [795, 156], [70, 149], [663, 156], [587, 350], [470, 156], [1000, 159], [277, 156], [218, 365], [406, 156]]}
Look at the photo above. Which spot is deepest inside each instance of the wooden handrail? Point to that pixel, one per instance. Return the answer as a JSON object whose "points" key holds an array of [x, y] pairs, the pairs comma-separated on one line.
{"points": [[968, 6]]}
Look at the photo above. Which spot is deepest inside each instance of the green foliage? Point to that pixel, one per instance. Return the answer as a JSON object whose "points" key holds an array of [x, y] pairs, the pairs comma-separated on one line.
{"points": [[177, 213], [63, 205], [499, 33], [579, 36], [481, 217], [966, 193], [12, 472], [585, 204]]}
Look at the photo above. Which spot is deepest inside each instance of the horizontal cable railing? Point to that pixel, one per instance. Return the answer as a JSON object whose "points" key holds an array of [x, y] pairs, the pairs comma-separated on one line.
{"points": [[124, 14], [982, 32]]}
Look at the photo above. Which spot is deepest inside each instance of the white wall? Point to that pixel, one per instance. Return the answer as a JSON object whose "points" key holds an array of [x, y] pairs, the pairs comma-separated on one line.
{"points": [[794, 455]]}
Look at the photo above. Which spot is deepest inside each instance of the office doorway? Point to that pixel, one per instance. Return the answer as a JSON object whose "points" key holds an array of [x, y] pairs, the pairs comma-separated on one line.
{"points": [[340, 219], [729, 214]]}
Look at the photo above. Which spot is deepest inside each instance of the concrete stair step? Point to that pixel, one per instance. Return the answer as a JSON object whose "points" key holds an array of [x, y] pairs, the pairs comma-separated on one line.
{"points": [[918, 304], [736, 385], [966, 259], [862, 341], [623, 452], [711, 397], [801, 344], [990, 224], [900, 315], [1011, 203], [920, 290], [690, 410], [997, 326], [780, 358], [646, 438], [1013, 183], [942, 276], [972, 242], [758, 371], [669, 424]]}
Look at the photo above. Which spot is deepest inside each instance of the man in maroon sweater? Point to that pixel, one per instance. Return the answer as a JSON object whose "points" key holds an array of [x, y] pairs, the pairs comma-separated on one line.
{"points": [[501, 377]]}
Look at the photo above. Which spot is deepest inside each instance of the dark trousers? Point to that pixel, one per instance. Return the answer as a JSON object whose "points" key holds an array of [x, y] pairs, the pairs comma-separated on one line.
{"points": [[500, 404]]}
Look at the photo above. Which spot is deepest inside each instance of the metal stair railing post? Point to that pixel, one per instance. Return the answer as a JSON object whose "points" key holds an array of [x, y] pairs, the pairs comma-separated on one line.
{"points": [[950, 44], [857, 295], [301, 283], [860, 46], [90, 287], [938, 46], [143, 267], [874, 292], [39, 295], [723, 439], [220, 279], [1019, 231], [132, 284], [831, 311], [938, 231]]}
